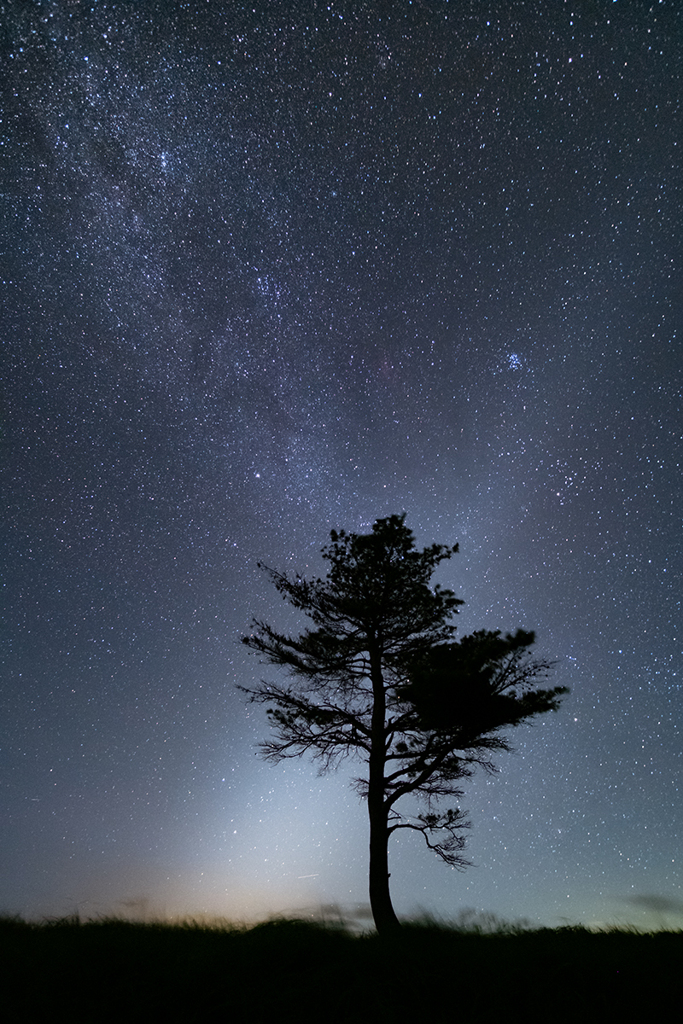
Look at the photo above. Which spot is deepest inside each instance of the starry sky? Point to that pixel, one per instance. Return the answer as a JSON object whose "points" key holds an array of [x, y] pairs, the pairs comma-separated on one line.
{"points": [[271, 269]]}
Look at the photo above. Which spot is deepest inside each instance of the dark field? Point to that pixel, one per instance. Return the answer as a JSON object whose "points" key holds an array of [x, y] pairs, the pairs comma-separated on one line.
{"points": [[285, 971]]}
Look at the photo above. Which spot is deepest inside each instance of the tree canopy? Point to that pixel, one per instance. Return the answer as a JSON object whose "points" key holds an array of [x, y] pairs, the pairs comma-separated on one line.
{"points": [[379, 675]]}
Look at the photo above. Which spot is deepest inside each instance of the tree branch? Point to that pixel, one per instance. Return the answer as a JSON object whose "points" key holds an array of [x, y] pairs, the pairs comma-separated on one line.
{"points": [[452, 822]]}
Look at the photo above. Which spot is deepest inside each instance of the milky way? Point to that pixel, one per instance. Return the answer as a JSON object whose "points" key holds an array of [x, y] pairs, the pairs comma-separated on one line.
{"points": [[274, 270]]}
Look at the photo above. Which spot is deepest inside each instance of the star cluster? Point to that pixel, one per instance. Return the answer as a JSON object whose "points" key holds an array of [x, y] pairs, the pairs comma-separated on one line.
{"points": [[275, 269]]}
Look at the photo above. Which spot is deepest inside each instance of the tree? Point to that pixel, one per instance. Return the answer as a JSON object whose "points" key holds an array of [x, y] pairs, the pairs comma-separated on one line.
{"points": [[380, 676]]}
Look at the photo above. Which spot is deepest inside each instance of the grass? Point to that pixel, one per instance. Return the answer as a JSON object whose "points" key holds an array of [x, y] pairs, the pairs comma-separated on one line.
{"points": [[289, 970]]}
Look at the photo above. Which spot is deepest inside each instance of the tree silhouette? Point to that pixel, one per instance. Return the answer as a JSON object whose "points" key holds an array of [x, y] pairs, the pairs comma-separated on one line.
{"points": [[379, 675]]}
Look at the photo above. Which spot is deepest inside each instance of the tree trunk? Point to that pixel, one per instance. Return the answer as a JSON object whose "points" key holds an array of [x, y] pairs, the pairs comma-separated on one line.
{"points": [[380, 899]]}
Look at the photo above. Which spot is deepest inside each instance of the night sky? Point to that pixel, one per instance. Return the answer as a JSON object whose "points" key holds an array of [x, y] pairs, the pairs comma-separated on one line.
{"points": [[271, 269]]}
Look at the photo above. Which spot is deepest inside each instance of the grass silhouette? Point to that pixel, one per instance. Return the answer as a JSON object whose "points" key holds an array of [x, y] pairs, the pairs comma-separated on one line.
{"points": [[292, 970]]}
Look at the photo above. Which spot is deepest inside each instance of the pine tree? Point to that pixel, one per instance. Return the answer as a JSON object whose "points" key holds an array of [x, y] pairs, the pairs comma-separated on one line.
{"points": [[379, 675]]}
